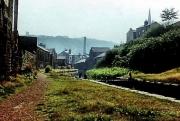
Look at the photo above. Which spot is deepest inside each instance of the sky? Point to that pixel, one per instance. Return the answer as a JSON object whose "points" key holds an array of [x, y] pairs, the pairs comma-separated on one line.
{"points": [[101, 19]]}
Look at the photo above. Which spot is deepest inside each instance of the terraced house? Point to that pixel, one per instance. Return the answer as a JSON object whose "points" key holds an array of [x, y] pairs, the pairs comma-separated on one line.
{"points": [[9, 54]]}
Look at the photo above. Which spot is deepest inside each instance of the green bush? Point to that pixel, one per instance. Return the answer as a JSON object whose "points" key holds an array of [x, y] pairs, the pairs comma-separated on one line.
{"points": [[106, 73], [48, 69], [156, 52]]}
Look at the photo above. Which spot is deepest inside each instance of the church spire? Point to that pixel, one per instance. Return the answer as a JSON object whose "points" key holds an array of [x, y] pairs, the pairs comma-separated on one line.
{"points": [[149, 17]]}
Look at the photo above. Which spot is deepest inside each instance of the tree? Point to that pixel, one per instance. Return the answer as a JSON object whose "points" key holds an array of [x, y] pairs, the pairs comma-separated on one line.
{"points": [[169, 15]]}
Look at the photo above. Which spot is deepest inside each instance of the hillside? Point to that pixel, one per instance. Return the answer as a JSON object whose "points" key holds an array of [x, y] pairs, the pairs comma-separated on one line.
{"points": [[75, 44], [150, 54]]}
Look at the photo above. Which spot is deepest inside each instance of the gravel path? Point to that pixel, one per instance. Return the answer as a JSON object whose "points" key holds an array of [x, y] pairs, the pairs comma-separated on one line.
{"points": [[21, 106]]}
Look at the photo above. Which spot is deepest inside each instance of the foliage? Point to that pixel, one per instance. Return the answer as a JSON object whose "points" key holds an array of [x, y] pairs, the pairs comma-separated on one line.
{"points": [[152, 53], [28, 68], [106, 73], [158, 31], [28, 59], [156, 54], [13, 85], [63, 72], [169, 15], [110, 56], [88, 101], [68, 72], [48, 69]]}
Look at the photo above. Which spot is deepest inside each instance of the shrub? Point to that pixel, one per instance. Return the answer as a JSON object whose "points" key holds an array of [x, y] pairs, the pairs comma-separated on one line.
{"points": [[108, 59], [35, 74], [152, 53], [27, 69], [47, 69], [62, 67], [107, 73]]}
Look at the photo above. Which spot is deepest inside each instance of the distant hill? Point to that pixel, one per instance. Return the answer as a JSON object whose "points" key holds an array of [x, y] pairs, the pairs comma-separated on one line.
{"points": [[75, 44]]}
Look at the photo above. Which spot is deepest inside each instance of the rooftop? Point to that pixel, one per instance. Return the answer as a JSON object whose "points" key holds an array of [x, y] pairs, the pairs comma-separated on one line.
{"points": [[51, 50], [42, 48], [61, 57], [99, 49], [101, 55]]}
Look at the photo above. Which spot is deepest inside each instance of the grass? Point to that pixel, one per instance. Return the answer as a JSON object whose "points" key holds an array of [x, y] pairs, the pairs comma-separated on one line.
{"points": [[171, 76], [14, 85], [63, 72], [69, 99]]}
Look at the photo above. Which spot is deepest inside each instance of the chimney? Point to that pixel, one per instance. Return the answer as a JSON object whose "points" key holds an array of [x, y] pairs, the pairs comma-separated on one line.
{"points": [[15, 15], [84, 48], [69, 51]]}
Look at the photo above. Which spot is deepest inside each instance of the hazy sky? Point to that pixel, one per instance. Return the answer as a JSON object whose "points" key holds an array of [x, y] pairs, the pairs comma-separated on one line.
{"points": [[102, 19]]}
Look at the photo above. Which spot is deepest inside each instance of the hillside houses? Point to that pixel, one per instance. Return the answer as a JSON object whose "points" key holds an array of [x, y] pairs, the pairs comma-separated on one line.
{"points": [[66, 58]]}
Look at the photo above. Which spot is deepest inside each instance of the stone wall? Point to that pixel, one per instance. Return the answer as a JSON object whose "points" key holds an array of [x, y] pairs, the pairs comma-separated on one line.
{"points": [[8, 44]]}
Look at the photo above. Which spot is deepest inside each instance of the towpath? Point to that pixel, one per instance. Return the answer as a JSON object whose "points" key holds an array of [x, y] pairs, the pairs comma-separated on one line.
{"points": [[21, 106]]}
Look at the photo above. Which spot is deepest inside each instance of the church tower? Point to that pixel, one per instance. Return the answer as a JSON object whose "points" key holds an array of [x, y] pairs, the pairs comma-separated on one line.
{"points": [[149, 18]]}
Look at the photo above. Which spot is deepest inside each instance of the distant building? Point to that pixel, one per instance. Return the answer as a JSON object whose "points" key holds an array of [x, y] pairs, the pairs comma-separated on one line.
{"points": [[30, 49], [100, 57], [74, 59], [53, 57], [64, 56], [95, 51], [43, 57], [80, 65], [61, 61], [131, 35], [28, 46], [95, 54], [140, 31]]}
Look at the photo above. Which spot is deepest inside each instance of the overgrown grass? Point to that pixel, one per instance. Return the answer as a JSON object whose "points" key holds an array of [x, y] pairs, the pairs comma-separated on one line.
{"points": [[171, 76], [68, 99], [106, 73], [14, 85], [64, 72]]}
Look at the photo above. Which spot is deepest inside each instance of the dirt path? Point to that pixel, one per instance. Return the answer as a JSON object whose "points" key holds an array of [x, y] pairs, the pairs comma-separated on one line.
{"points": [[21, 106]]}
